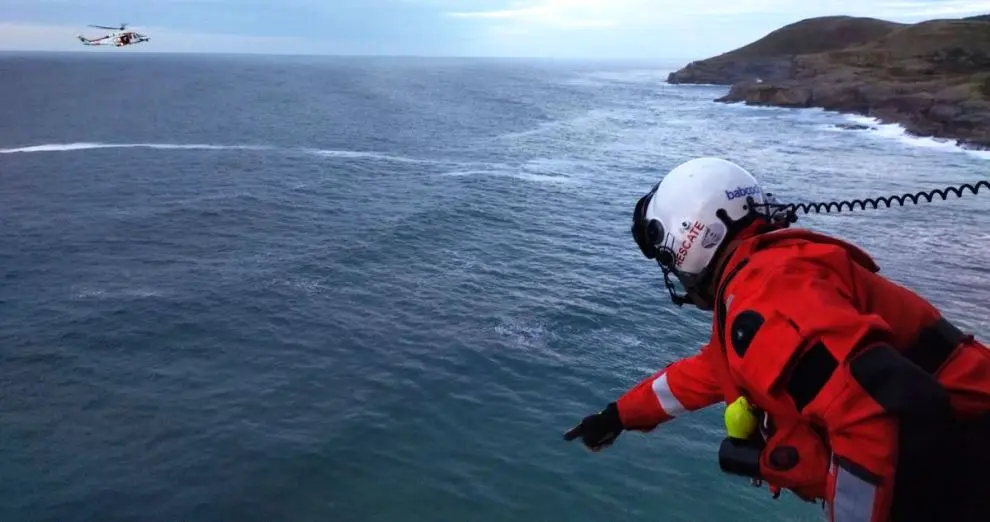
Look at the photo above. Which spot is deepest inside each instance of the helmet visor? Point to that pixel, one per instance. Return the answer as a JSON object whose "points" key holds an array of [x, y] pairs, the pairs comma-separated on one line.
{"points": [[647, 233]]}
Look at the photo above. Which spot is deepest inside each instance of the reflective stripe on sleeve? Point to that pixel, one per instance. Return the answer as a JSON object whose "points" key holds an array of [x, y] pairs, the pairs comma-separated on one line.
{"points": [[671, 406]]}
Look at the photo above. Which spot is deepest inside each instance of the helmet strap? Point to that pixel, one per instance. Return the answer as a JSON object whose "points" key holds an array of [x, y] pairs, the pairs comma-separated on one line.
{"points": [[677, 299]]}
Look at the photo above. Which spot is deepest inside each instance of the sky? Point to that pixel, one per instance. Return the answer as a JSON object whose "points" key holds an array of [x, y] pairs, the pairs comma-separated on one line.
{"points": [[565, 29]]}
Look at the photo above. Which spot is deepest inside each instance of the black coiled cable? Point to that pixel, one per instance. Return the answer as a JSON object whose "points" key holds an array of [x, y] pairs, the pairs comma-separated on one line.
{"points": [[788, 212]]}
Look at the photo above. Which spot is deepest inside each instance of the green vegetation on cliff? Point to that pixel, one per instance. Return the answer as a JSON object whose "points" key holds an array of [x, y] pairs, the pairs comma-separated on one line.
{"points": [[815, 35], [769, 58], [932, 77]]}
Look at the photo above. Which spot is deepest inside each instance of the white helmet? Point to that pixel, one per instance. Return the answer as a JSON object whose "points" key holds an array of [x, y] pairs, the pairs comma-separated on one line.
{"points": [[684, 220]]}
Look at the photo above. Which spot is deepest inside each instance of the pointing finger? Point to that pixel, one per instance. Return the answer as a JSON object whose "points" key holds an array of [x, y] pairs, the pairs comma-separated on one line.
{"points": [[573, 433]]}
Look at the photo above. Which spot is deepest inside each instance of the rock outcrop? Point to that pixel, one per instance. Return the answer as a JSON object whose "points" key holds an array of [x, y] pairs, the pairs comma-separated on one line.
{"points": [[730, 71], [932, 77]]}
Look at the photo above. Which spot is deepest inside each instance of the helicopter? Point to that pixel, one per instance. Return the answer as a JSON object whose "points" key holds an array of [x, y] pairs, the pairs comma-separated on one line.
{"points": [[118, 38]]}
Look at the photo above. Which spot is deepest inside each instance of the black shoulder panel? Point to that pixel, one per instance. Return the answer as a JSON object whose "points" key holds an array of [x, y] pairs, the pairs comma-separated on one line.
{"points": [[744, 328], [813, 369], [898, 385]]}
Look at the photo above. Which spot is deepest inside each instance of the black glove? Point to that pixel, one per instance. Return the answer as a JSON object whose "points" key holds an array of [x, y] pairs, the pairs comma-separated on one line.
{"points": [[599, 430]]}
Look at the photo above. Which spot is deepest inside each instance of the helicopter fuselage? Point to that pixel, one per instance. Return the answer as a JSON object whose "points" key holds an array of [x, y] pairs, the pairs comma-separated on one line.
{"points": [[116, 38]]}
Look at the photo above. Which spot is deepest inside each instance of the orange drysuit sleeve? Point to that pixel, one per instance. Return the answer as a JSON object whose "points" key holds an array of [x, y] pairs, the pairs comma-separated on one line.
{"points": [[685, 385], [799, 346]]}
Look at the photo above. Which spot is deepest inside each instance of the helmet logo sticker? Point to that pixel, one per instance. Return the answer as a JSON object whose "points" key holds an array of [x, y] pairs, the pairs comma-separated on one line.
{"points": [[741, 192], [691, 235], [713, 234]]}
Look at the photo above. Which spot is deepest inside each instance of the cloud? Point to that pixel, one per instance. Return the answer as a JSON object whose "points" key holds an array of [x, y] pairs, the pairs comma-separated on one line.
{"points": [[557, 13], [668, 28], [280, 26], [653, 11], [925, 9], [652, 29]]}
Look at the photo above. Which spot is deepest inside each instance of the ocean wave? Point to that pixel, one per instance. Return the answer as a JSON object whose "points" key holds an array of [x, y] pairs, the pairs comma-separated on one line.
{"points": [[874, 128], [70, 147], [369, 155], [343, 154], [894, 131], [519, 174]]}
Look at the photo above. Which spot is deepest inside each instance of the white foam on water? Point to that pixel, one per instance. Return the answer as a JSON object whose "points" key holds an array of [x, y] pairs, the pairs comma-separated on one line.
{"points": [[893, 131], [520, 175], [584, 123], [356, 154], [330, 153], [534, 337], [68, 147], [116, 293], [875, 128]]}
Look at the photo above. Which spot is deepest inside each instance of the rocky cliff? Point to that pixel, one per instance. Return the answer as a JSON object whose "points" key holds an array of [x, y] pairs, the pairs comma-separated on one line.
{"points": [[932, 77]]}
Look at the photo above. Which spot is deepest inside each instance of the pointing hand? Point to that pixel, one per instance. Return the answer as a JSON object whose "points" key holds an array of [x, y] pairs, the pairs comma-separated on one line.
{"points": [[598, 430]]}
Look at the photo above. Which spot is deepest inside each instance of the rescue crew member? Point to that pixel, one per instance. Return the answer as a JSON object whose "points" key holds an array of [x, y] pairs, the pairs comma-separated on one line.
{"points": [[864, 395]]}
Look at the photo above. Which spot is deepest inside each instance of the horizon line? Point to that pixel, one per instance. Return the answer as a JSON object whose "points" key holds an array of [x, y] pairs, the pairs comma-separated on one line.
{"points": [[138, 53]]}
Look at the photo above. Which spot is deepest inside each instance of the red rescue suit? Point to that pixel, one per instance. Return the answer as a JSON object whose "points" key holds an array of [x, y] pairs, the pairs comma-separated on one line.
{"points": [[881, 407]]}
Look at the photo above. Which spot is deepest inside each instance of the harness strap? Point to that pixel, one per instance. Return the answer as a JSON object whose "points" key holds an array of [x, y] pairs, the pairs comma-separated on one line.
{"points": [[929, 352]]}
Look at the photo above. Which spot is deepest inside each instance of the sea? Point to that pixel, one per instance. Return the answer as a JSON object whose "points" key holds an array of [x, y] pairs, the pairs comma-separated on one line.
{"points": [[355, 289]]}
